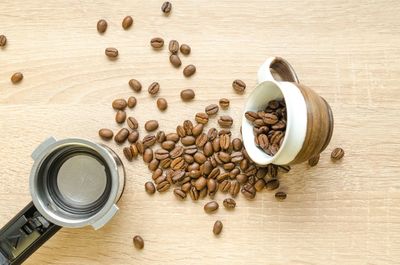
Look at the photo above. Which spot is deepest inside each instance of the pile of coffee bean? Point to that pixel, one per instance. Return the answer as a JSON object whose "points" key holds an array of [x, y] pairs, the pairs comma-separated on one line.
{"points": [[269, 126]]}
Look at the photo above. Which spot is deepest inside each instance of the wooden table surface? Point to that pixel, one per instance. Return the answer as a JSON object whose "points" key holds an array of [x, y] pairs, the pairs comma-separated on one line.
{"points": [[347, 51]]}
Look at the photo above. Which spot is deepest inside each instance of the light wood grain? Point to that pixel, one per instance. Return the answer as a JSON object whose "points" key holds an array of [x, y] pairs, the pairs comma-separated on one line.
{"points": [[348, 51]]}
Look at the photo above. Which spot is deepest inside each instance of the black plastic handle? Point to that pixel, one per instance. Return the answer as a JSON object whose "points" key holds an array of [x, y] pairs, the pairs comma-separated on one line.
{"points": [[23, 235]]}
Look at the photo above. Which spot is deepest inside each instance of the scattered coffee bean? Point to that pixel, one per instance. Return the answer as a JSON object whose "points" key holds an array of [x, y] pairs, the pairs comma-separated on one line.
{"points": [[313, 161], [133, 137], [3, 40], [185, 49], [111, 52], [121, 136], [127, 22], [237, 144], [128, 153], [166, 7], [175, 60], [163, 186], [212, 109], [106, 134], [248, 191], [197, 130], [134, 150], [211, 207], [173, 46], [149, 140], [225, 121], [224, 103], [135, 85], [280, 195], [272, 184], [180, 194], [337, 154], [217, 229], [149, 187], [229, 203], [172, 137], [187, 94], [101, 26], [132, 123], [132, 102], [154, 88], [119, 104], [162, 104], [120, 117], [201, 118], [17, 77], [147, 155], [188, 140], [157, 43], [160, 137], [239, 86], [189, 70], [138, 242]]}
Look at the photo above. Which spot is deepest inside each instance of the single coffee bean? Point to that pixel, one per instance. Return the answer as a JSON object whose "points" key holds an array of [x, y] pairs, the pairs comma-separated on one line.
{"points": [[214, 173], [211, 207], [128, 154], [225, 185], [224, 141], [180, 131], [239, 86], [259, 185], [251, 170], [262, 141], [119, 104], [206, 168], [224, 157], [153, 165], [160, 179], [193, 166], [194, 173], [187, 94], [211, 186], [224, 103], [313, 161], [270, 118], [200, 183], [162, 104], [237, 144], [208, 149], [121, 136], [106, 134], [272, 184], [188, 140], [189, 70], [235, 188], [279, 126], [280, 196], [127, 22], [212, 134], [225, 121], [163, 186], [131, 102], [168, 145], [261, 172], [3, 40], [191, 150], [166, 7], [157, 173], [217, 228], [185, 49], [179, 193], [101, 26], [134, 150], [201, 140], [161, 154], [248, 191], [149, 140], [337, 154], [216, 144], [277, 137], [188, 159], [160, 137], [178, 163], [188, 127], [244, 164], [157, 43], [199, 158], [176, 152], [175, 60], [236, 157], [272, 170], [197, 130], [120, 117], [234, 172], [154, 88], [229, 203], [201, 117], [172, 137], [284, 168], [147, 155], [151, 125], [138, 242], [135, 85], [186, 187], [17, 77], [149, 187], [194, 193], [251, 116], [212, 109], [173, 46], [132, 123], [111, 52], [241, 178]]}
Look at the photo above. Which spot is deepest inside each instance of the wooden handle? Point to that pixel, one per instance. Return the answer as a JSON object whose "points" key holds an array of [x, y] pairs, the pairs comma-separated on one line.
{"points": [[279, 66]]}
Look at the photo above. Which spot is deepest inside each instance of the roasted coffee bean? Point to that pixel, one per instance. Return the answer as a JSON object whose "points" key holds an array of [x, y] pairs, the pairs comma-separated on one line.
{"points": [[234, 172], [211, 186], [188, 158], [127, 22], [162, 104], [239, 86], [187, 94], [261, 172], [163, 186], [147, 155], [177, 175], [213, 161], [166, 7], [224, 141], [189, 70], [229, 166], [193, 166], [272, 184], [214, 173], [101, 27], [151, 125], [251, 170], [313, 161], [128, 153], [119, 104], [178, 163], [172, 137], [337, 154], [191, 150], [225, 121], [185, 49], [224, 157], [175, 60], [134, 150], [212, 134], [274, 104], [186, 187], [199, 158], [180, 131], [200, 183], [251, 116], [106, 134], [121, 136], [160, 179], [111, 52], [206, 168], [284, 168], [153, 165], [176, 152], [131, 102], [140, 147], [135, 85], [161, 154], [201, 117], [229, 203], [120, 117], [259, 185], [173, 46], [201, 140], [279, 126], [132, 123], [168, 145], [224, 103], [272, 170], [248, 191], [160, 137], [244, 164], [179, 193], [270, 118], [280, 196], [212, 109], [272, 149], [197, 130], [188, 140], [237, 144], [194, 173], [224, 131], [157, 43], [208, 149], [234, 189], [188, 127], [251, 180], [157, 173], [154, 88], [236, 157], [262, 141], [217, 228], [216, 144], [138, 242], [242, 178], [194, 193], [211, 207], [217, 159], [149, 187], [225, 186], [258, 123], [276, 137], [17, 77], [149, 140]]}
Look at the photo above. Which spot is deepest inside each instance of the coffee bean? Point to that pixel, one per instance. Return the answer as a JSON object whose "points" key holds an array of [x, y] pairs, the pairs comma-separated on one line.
{"points": [[225, 185], [214, 173], [188, 140], [216, 144], [189, 70], [3, 40], [235, 188], [188, 127], [186, 187], [244, 164], [217, 228], [119, 104], [248, 191], [149, 140], [168, 145], [172, 137], [178, 163], [262, 141], [208, 149], [206, 168], [176, 152], [120, 117], [280, 196], [161, 154], [241, 178], [261, 172], [272, 170], [160, 137], [173, 46], [175, 60], [127, 22], [272, 184], [225, 121], [211, 207], [166, 7], [211, 186], [251, 116], [191, 150], [153, 165], [200, 183], [201, 140], [279, 126], [163, 186], [135, 85], [194, 173], [154, 88], [251, 170], [229, 203], [259, 185], [212, 109], [157, 173], [131, 102], [151, 125], [134, 150], [224, 141], [157, 43], [284, 168], [160, 179], [17, 77], [149, 187], [237, 144], [181, 132], [234, 172], [111, 52], [179, 193], [224, 157], [201, 118], [313, 161], [132, 123], [239, 86], [106, 134], [193, 166], [147, 155], [337, 154], [185, 49], [197, 130], [128, 153], [187, 94], [138, 242], [101, 26], [236, 157], [199, 158], [121, 136], [224, 103], [194, 193], [270, 118]]}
